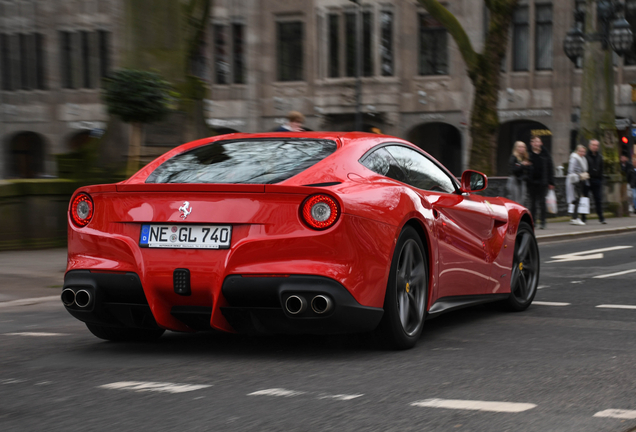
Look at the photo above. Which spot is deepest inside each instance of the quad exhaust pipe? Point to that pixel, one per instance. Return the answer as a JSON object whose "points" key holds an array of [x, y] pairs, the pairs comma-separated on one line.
{"points": [[321, 304], [296, 304], [68, 297], [82, 298]]}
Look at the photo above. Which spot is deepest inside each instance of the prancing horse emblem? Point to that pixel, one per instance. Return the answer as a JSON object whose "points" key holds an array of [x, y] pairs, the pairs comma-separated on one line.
{"points": [[185, 209]]}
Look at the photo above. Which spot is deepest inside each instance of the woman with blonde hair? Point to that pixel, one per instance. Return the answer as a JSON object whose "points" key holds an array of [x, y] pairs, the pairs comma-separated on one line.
{"points": [[574, 182], [519, 166]]}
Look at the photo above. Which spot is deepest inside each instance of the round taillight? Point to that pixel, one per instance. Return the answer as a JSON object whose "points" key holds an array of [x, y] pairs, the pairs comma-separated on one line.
{"points": [[81, 209], [320, 211]]}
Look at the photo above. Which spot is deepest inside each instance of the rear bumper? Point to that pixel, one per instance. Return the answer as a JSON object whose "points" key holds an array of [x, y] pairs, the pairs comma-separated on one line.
{"points": [[252, 304], [257, 305]]}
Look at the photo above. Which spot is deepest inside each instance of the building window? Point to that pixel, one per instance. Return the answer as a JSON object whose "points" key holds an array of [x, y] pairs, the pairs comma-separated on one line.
{"points": [[84, 57], [386, 43], [104, 53], [367, 34], [289, 36], [86, 68], [630, 16], [352, 43], [221, 63], [543, 35], [520, 39], [66, 59], [5, 59], [229, 61], [333, 21], [40, 66], [238, 53], [433, 49], [25, 67]]}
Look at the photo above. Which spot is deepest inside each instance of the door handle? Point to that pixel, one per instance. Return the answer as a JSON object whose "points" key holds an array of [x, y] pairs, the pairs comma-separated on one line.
{"points": [[435, 213]]}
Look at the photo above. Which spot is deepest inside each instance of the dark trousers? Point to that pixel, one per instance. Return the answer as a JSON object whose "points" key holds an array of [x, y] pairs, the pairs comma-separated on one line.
{"points": [[537, 193], [596, 186], [578, 193]]}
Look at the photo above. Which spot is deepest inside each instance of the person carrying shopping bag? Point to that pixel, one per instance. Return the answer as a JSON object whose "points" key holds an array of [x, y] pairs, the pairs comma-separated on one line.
{"points": [[577, 178], [540, 179], [519, 166]]}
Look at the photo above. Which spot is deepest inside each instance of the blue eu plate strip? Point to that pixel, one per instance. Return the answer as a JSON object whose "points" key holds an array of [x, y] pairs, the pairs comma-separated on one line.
{"points": [[145, 234]]}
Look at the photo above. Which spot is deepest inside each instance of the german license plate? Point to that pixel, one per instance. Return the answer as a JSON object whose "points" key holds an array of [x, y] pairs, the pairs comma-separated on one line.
{"points": [[185, 236]]}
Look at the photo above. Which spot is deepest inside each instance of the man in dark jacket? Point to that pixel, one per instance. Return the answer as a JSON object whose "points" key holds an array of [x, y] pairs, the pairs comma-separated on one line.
{"points": [[595, 170], [630, 175], [540, 179]]}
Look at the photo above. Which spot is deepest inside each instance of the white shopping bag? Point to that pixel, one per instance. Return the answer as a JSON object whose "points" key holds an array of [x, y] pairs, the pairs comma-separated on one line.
{"points": [[584, 205], [551, 202]]}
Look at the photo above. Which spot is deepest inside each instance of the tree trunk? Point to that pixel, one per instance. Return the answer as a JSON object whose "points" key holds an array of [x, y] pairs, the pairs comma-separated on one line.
{"points": [[484, 72], [134, 150]]}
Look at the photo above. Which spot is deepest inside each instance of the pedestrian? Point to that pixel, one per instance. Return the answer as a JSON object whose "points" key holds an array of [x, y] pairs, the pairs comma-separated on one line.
{"points": [[294, 123], [595, 170], [630, 174], [540, 179], [519, 167], [575, 181]]}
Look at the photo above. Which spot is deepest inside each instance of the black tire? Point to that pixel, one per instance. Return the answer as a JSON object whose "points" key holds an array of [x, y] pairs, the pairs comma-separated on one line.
{"points": [[406, 292], [524, 276], [122, 334]]}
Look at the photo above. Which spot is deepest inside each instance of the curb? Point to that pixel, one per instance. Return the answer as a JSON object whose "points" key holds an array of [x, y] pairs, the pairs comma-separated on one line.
{"points": [[582, 234]]}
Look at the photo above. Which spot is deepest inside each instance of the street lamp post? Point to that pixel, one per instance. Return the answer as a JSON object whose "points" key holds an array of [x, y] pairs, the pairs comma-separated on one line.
{"points": [[600, 30]]}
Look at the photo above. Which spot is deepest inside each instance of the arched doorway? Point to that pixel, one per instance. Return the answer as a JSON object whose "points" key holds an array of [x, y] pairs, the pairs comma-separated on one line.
{"points": [[519, 130], [442, 141], [25, 155], [79, 140]]}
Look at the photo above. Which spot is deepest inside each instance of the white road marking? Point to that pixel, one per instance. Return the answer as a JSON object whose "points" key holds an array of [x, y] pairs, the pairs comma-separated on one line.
{"points": [[617, 413], [36, 334], [11, 381], [154, 386], [474, 405], [585, 255], [29, 301], [576, 282], [543, 286], [614, 274], [341, 397], [276, 392], [542, 303], [611, 306]]}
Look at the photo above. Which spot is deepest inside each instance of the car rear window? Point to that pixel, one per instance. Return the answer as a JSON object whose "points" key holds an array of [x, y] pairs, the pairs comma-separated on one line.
{"points": [[244, 161]]}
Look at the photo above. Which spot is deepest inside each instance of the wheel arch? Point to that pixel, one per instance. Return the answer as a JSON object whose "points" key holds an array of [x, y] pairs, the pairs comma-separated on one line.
{"points": [[528, 219], [419, 228]]}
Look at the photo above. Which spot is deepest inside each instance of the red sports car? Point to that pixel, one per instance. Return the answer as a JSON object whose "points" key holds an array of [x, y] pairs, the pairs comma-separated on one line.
{"points": [[293, 233]]}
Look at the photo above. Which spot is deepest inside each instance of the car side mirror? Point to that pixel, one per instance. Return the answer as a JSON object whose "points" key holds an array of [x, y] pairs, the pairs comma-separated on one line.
{"points": [[473, 181]]}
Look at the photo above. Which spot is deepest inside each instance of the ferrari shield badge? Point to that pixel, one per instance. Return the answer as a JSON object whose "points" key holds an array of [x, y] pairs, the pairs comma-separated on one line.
{"points": [[185, 209]]}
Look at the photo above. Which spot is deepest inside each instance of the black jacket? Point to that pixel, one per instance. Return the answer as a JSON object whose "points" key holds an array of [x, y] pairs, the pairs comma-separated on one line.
{"points": [[517, 169], [630, 173], [595, 165], [542, 169]]}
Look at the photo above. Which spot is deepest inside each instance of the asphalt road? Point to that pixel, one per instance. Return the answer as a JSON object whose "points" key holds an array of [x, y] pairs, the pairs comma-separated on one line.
{"points": [[565, 364]]}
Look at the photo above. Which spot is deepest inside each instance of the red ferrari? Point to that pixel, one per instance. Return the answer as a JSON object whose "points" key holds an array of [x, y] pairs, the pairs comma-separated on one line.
{"points": [[293, 233]]}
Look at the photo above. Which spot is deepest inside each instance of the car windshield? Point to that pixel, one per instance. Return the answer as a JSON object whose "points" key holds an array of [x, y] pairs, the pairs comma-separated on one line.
{"points": [[243, 161]]}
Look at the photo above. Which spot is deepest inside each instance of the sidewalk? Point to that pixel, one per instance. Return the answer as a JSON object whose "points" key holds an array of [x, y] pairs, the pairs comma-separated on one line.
{"points": [[39, 274], [562, 230]]}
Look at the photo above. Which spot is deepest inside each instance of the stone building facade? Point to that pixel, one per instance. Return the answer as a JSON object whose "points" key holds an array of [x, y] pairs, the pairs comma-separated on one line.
{"points": [[263, 58]]}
